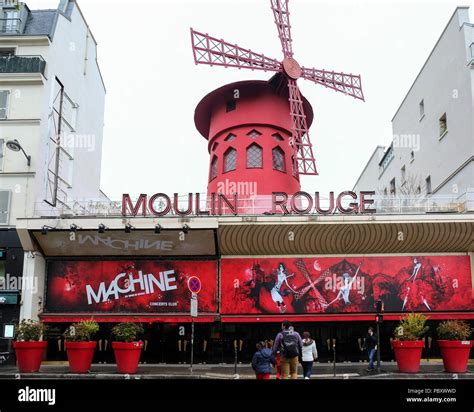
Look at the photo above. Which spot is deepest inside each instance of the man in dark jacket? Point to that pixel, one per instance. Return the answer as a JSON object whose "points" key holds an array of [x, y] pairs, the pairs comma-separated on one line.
{"points": [[371, 347], [290, 345], [263, 361]]}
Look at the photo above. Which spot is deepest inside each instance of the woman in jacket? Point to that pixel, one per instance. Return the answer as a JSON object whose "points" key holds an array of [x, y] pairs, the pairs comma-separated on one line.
{"points": [[310, 354], [263, 361]]}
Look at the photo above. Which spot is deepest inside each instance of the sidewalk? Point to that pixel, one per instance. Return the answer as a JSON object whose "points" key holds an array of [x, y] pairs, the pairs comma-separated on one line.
{"points": [[428, 370]]}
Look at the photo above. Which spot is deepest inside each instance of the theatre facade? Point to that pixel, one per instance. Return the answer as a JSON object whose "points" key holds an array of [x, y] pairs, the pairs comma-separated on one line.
{"points": [[324, 273]]}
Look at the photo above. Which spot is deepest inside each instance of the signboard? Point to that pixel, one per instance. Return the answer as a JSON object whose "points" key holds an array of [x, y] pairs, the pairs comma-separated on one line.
{"points": [[346, 284], [194, 306], [160, 204], [9, 331], [146, 286], [118, 243], [8, 298], [194, 285]]}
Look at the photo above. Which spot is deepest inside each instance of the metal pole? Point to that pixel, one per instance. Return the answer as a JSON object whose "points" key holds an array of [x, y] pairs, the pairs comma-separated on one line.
{"points": [[192, 343], [334, 358], [235, 356], [378, 346]]}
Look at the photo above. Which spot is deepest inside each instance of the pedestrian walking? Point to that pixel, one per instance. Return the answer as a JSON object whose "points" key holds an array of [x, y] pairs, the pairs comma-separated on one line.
{"points": [[371, 347], [290, 345], [310, 354], [263, 361]]}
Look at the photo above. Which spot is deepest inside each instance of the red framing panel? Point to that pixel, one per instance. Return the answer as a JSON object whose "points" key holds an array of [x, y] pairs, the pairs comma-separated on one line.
{"points": [[342, 318], [346, 286], [126, 287]]}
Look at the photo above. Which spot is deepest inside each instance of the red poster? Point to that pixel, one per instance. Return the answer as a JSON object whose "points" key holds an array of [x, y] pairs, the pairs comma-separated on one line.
{"points": [[129, 286], [345, 285]]}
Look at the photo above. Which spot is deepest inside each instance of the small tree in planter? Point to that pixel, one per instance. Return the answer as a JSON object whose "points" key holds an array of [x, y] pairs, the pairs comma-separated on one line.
{"points": [[454, 344], [29, 346], [408, 343], [79, 345], [126, 347]]}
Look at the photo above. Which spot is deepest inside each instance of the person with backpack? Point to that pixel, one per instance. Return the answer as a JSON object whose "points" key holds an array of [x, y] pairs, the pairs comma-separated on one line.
{"points": [[310, 354], [263, 361], [290, 345]]}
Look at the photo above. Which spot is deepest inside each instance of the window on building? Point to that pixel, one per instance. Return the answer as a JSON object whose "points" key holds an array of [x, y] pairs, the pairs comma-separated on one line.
{"points": [[4, 94], [230, 137], [5, 52], [278, 159], [5, 196], [428, 185], [471, 47], [418, 190], [422, 109], [230, 106], [254, 134], [385, 191], [254, 156], [293, 167], [443, 125], [278, 137], [2, 268], [213, 173], [11, 21], [2, 152], [392, 186], [230, 160], [404, 173]]}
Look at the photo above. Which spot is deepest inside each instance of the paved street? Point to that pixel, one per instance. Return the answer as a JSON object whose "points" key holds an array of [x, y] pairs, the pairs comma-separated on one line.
{"points": [[428, 370]]}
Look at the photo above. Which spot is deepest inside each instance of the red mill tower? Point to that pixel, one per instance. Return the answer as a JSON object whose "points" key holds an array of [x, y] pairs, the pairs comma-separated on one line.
{"points": [[249, 132], [258, 131]]}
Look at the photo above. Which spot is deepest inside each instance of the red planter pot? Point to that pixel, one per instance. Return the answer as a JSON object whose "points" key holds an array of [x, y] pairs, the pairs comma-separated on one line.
{"points": [[80, 355], [29, 355], [408, 355], [455, 354], [127, 355]]}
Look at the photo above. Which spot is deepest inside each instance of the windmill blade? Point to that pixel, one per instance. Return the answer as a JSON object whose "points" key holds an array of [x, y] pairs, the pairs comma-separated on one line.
{"points": [[304, 162], [282, 20], [215, 52], [345, 83]]}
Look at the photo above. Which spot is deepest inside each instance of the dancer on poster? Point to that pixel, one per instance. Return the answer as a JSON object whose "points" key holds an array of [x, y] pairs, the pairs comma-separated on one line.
{"points": [[345, 289], [276, 292]]}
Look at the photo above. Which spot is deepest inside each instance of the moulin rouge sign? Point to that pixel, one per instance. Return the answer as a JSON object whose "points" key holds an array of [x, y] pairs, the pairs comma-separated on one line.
{"points": [[300, 203]]}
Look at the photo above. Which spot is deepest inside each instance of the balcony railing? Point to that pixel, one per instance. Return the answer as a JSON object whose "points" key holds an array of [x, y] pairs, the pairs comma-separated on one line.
{"points": [[22, 64], [261, 205]]}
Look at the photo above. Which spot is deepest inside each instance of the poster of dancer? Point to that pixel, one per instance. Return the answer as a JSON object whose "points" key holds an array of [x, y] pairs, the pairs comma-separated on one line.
{"points": [[345, 284]]}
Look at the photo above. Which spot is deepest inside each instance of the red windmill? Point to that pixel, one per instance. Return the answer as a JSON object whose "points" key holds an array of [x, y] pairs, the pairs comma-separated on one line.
{"points": [[216, 52]]}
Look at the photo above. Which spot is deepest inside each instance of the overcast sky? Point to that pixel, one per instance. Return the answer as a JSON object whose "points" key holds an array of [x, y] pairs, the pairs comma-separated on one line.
{"points": [[153, 85]]}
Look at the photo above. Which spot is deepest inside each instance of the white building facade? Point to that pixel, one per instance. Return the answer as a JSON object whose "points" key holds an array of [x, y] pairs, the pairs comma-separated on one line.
{"points": [[52, 99], [432, 152]]}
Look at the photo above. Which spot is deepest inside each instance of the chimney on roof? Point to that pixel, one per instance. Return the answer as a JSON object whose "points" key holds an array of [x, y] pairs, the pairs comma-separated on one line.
{"points": [[63, 5]]}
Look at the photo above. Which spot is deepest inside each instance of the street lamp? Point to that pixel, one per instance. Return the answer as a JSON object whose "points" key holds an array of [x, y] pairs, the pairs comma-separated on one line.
{"points": [[15, 146]]}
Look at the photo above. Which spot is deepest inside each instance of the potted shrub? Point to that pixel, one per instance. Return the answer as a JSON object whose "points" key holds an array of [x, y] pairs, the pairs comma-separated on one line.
{"points": [[454, 344], [126, 348], [408, 343], [79, 345], [29, 346]]}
